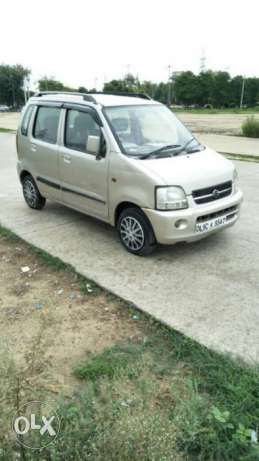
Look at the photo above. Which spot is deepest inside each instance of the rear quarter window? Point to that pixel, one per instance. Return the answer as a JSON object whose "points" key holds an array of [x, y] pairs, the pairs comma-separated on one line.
{"points": [[46, 124], [26, 120]]}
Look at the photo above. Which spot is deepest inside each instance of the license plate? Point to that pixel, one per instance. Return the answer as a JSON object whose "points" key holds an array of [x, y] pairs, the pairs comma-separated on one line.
{"points": [[211, 224]]}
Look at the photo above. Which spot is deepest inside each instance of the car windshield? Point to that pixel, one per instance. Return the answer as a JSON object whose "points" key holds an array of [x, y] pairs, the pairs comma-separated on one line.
{"points": [[148, 129]]}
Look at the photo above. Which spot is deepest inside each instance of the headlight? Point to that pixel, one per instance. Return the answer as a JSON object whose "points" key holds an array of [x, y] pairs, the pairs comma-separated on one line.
{"points": [[235, 181], [170, 198]]}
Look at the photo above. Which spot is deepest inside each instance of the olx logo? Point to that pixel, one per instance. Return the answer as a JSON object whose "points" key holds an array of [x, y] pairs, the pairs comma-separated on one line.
{"points": [[36, 425]]}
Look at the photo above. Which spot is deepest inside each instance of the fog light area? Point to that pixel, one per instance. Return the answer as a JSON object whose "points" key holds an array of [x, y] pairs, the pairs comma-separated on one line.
{"points": [[181, 224]]}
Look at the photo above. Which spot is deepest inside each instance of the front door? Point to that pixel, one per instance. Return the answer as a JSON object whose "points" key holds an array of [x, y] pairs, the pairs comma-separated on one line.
{"points": [[83, 174]]}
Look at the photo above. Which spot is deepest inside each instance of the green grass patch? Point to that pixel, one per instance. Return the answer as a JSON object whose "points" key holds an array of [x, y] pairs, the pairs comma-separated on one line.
{"points": [[110, 362], [8, 234], [242, 158], [6, 130], [250, 127], [164, 397], [49, 260], [253, 110]]}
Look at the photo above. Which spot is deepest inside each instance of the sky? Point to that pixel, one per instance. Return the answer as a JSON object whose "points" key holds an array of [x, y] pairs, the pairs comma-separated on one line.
{"points": [[84, 43]]}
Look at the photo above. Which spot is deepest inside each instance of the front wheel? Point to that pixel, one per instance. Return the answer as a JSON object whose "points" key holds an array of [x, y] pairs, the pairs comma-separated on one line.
{"points": [[31, 193], [135, 232]]}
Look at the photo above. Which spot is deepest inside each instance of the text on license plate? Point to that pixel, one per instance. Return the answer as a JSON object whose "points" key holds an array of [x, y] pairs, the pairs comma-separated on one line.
{"points": [[211, 224]]}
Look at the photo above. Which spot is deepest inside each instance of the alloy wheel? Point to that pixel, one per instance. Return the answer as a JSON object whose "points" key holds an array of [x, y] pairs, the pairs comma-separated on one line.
{"points": [[132, 233]]}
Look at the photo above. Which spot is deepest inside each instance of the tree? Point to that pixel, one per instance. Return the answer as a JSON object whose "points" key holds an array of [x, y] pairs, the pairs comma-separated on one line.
{"points": [[82, 89], [11, 84], [186, 88], [221, 90], [205, 85], [129, 84], [251, 92], [161, 92], [50, 84]]}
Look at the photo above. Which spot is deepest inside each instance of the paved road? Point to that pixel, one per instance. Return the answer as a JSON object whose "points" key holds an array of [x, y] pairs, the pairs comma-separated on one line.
{"points": [[209, 290]]}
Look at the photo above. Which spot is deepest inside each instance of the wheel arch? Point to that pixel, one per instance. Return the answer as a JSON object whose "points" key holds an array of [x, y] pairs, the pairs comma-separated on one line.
{"points": [[23, 174], [122, 206]]}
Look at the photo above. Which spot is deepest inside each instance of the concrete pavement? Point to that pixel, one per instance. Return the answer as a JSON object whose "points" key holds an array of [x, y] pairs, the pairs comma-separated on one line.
{"points": [[209, 290], [236, 145], [9, 120]]}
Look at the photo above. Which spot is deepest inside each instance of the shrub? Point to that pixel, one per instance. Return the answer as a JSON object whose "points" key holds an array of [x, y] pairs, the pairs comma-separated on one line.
{"points": [[250, 127]]}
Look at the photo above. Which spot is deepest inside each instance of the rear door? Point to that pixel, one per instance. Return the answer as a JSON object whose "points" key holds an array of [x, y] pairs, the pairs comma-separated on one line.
{"points": [[43, 150], [84, 175]]}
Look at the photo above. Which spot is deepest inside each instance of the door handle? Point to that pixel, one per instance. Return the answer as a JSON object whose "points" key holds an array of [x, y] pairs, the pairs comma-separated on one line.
{"points": [[66, 158], [33, 147]]}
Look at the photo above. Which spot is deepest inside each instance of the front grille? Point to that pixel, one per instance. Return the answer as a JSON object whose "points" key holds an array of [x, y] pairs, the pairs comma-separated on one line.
{"points": [[212, 193], [229, 212]]}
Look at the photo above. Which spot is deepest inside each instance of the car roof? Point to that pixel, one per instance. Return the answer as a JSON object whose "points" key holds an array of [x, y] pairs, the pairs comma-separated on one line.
{"points": [[105, 100], [108, 100]]}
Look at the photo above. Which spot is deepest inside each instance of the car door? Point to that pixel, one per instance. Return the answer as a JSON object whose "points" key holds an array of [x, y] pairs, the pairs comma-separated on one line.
{"points": [[83, 174], [43, 157]]}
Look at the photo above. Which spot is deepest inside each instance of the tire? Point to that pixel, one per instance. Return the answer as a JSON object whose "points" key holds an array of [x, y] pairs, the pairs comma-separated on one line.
{"points": [[135, 232], [31, 193]]}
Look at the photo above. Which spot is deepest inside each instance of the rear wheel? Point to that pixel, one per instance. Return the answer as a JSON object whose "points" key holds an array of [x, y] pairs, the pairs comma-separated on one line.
{"points": [[135, 232], [31, 193]]}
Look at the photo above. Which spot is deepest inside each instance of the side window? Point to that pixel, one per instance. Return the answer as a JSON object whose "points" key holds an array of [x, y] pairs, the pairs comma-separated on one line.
{"points": [[79, 125], [26, 120], [46, 125]]}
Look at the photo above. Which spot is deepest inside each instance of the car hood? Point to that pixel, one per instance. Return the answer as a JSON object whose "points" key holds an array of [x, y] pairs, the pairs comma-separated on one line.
{"points": [[192, 171]]}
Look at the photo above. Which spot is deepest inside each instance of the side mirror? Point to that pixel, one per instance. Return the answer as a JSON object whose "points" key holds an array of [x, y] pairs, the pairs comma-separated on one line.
{"points": [[93, 144]]}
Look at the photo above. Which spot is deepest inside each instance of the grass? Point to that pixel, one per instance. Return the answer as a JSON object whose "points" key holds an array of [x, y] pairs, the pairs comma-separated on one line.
{"points": [[242, 157], [161, 397], [251, 110], [250, 127], [6, 130]]}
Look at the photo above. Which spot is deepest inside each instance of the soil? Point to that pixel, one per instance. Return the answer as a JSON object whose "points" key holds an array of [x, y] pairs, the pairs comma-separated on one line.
{"points": [[46, 322]]}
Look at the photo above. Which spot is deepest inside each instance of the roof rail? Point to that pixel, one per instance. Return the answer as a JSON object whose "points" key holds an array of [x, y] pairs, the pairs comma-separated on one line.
{"points": [[85, 96], [124, 93], [90, 96]]}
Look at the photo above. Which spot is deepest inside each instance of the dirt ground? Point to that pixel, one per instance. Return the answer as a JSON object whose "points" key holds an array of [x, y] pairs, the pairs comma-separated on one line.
{"points": [[228, 124], [9, 120], [46, 321]]}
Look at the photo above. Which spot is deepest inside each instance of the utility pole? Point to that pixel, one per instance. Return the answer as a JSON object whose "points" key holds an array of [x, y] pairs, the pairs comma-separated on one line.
{"points": [[169, 94], [25, 94], [242, 93], [203, 62], [26, 89]]}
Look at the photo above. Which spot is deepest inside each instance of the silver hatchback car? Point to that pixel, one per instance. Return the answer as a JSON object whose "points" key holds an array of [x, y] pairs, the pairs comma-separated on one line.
{"points": [[129, 161]]}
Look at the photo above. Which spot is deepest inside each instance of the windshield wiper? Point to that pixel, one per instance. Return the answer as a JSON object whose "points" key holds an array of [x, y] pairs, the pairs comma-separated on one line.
{"points": [[184, 147], [161, 149]]}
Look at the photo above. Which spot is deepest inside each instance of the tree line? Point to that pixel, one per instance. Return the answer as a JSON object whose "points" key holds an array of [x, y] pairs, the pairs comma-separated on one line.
{"points": [[210, 88], [213, 89]]}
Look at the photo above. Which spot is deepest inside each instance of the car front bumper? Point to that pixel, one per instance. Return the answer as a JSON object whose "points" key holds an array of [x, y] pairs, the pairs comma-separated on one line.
{"points": [[180, 226]]}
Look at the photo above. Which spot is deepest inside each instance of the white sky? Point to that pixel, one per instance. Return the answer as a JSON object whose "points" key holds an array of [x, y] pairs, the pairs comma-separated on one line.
{"points": [[84, 42]]}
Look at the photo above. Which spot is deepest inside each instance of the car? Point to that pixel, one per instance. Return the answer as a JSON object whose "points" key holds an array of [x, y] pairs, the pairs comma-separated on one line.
{"points": [[4, 108], [127, 160]]}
